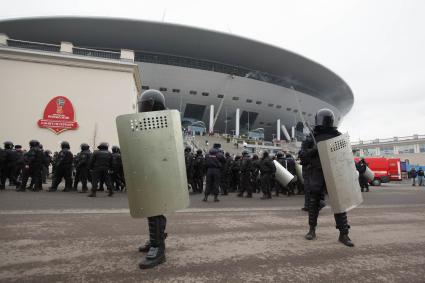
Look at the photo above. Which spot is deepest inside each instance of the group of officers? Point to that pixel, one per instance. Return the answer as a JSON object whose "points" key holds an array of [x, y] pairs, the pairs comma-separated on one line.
{"points": [[100, 167], [244, 174]]}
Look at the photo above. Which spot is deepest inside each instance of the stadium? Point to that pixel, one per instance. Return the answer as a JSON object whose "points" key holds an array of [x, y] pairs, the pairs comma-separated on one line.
{"points": [[203, 72]]}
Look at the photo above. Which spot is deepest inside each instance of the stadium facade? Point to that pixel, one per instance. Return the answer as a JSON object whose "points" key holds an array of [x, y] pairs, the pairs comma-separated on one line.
{"points": [[203, 72]]}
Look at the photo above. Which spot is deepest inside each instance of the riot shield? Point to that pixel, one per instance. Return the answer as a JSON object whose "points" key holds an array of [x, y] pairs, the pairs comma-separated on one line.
{"points": [[369, 174], [282, 175], [340, 174], [153, 159], [299, 171]]}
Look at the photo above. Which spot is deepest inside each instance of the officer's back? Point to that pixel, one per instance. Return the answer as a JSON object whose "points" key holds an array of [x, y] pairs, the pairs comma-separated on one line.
{"points": [[101, 159]]}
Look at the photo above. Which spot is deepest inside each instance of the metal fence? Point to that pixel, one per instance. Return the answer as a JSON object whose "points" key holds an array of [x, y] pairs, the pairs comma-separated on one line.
{"points": [[33, 45]]}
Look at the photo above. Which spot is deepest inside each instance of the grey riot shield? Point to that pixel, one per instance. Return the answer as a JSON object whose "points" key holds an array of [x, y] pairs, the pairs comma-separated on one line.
{"points": [[369, 174], [153, 159], [282, 175], [340, 174], [299, 171]]}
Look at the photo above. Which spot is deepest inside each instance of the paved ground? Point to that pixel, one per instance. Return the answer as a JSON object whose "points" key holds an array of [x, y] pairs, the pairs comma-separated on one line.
{"points": [[67, 237]]}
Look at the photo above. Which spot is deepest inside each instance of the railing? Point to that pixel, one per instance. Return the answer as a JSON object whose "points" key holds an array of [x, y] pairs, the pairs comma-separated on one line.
{"points": [[389, 140], [96, 53], [33, 45]]}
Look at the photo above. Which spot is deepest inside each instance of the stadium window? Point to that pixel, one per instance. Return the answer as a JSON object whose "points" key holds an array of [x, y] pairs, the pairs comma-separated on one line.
{"points": [[271, 104], [205, 94], [193, 92], [278, 106], [258, 102], [295, 110], [309, 115], [162, 89], [235, 98], [145, 87], [269, 124], [288, 109], [304, 113], [249, 101], [220, 95], [175, 90], [261, 123]]}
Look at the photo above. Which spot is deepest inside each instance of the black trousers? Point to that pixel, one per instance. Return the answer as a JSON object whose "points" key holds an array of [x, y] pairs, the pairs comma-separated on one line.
{"points": [[35, 173], [213, 181], [245, 184], [266, 179], [64, 172], [198, 181], [101, 176]]}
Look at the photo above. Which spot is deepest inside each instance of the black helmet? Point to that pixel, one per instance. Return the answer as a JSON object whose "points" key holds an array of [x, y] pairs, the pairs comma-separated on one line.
{"points": [[65, 144], [288, 155], [265, 153], [199, 151], [115, 149], [18, 146], [34, 143], [40, 146], [325, 118], [227, 154], [255, 157], [48, 152], [187, 149], [103, 145], [84, 146], [279, 154], [237, 157], [151, 100], [8, 145], [245, 152]]}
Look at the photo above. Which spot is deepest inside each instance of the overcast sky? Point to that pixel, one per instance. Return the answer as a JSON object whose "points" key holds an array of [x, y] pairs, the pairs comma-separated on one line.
{"points": [[377, 47]]}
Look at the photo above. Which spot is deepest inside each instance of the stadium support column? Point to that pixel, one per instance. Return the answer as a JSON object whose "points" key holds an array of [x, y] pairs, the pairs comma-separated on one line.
{"points": [[278, 130], [237, 122], [211, 130]]}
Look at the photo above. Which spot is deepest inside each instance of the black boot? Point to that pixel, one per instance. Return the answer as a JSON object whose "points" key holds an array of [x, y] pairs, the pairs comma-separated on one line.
{"points": [[216, 198], [92, 194], [343, 238], [156, 253], [313, 214], [343, 227], [110, 193], [311, 235], [205, 198]]}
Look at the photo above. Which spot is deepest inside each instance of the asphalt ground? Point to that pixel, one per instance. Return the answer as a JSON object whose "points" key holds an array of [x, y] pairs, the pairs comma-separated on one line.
{"points": [[67, 237]]}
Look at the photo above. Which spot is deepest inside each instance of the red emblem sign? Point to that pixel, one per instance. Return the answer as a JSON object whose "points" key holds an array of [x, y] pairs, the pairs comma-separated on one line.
{"points": [[58, 115]]}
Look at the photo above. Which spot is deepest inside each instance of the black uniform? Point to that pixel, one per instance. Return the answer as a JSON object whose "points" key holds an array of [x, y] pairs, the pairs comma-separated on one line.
{"points": [[255, 174], [82, 167], [63, 169], [188, 158], [9, 165], [198, 172], [245, 176], [46, 164], [324, 130], [117, 176], [101, 166], [19, 163], [267, 169], [2, 163], [236, 169], [361, 167], [33, 161], [213, 163]]}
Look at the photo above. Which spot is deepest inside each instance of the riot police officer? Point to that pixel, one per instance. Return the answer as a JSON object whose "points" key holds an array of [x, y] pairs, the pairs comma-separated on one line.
{"points": [[2, 164], [198, 172], [323, 130], [245, 182], [267, 170], [214, 160], [227, 173], [236, 169], [153, 100], [117, 176], [82, 167], [63, 168], [188, 158], [9, 165], [101, 166], [290, 166], [361, 167], [33, 161]]}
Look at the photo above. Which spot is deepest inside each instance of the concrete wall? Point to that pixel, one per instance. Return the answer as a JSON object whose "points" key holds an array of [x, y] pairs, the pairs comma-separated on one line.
{"points": [[97, 92]]}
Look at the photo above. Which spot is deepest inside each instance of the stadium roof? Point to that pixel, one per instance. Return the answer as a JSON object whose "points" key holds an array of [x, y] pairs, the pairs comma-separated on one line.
{"points": [[173, 39]]}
